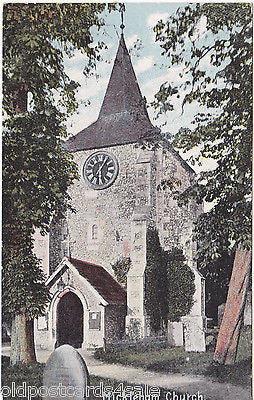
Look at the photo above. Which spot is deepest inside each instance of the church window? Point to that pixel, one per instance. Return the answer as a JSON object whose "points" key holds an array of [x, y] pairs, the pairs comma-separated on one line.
{"points": [[94, 232]]}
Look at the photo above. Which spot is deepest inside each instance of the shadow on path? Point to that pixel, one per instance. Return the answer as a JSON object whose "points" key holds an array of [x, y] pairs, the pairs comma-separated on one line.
{"points": [[200, 386]]}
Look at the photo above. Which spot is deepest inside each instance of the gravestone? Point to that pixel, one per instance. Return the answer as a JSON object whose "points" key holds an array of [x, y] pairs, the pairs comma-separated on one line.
{"points": [[175, 334], [247, 310], [221, 309], [194, 334], [65, 375]]}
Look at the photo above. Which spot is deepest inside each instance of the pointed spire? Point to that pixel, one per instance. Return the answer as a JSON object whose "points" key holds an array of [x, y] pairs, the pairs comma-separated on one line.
{"points": [[123, 93], [123, 116]]}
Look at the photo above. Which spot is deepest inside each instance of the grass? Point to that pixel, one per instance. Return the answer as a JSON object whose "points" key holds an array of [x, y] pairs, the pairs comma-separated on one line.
{"points": [[160, 359], [33, 376], [176, 360]]}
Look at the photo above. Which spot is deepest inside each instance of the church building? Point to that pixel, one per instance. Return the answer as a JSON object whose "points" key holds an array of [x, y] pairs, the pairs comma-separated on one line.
{"points": [[116, 199]]}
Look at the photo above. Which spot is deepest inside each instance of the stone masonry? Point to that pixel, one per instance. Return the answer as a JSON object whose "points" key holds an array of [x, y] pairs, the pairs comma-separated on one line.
{"points": [[111, 222]]}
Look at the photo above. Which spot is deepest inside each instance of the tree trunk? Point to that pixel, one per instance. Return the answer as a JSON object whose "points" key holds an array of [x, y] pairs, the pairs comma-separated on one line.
{"points": [[22, 336], [229, 333], [22, 340]]}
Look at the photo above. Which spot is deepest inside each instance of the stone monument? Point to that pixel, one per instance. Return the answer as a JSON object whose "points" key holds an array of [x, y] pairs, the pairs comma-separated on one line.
{"points": [[65, 375]]}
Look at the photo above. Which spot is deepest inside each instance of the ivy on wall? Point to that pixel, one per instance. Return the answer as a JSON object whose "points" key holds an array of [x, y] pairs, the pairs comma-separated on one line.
{"points": [[181, 284], [121, 268], [156, 283], [169, 283]]}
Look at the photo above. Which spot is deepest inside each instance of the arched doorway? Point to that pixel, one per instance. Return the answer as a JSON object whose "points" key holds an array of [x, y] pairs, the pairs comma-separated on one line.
{"points": [[69, 321]]}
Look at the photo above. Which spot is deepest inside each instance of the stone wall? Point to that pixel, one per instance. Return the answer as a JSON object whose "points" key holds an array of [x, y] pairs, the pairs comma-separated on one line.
{"points": [[177, 223], [112, 209]]}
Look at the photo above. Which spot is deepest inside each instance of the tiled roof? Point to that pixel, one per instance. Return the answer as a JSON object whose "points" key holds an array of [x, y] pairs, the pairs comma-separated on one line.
{"points": [[123, 116], [101, 280]]}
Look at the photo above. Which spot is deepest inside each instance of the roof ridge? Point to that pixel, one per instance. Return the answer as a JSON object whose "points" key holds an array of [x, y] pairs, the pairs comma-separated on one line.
{"points": [[86, 262], [101, 280]]}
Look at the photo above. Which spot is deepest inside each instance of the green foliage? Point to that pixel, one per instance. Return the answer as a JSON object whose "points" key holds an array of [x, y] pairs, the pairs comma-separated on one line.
{"points": [[23, 281], [169, 283], [217, 273], [156, 285], [121, 268], [35, 38], [37, 171], [217, 74], [181, 286], [32, 375]]}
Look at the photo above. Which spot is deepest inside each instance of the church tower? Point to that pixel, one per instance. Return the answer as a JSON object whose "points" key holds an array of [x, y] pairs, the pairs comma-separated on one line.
{"points": [[117, 197], [123, 117]]}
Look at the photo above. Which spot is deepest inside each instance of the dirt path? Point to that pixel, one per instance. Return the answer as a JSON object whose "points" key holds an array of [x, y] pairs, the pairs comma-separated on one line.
{"points": [[194, 388], [200, 388]]}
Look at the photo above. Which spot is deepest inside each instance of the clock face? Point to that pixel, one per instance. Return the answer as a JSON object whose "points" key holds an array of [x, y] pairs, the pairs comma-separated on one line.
{"points": [[100, 170]]}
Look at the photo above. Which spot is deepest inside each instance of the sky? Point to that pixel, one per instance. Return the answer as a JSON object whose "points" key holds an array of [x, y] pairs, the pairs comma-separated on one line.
{"points": [[150, 66]]}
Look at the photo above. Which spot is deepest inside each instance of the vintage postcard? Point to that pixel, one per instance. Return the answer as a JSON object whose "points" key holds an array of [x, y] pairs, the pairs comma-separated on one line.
{"points": [[126, 235]]}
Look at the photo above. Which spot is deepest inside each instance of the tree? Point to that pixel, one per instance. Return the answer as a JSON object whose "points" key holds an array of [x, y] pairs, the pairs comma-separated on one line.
{"points": [[24, 296], [218, 273], [216, 74], [37, 171]]}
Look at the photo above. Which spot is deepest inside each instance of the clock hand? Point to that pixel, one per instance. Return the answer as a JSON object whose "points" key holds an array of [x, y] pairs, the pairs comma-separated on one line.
{"points": [[100, 177], [102, 165]]}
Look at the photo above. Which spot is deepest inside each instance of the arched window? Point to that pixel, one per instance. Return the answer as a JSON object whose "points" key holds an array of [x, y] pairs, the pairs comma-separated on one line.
{"points": [[94, 232]]}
